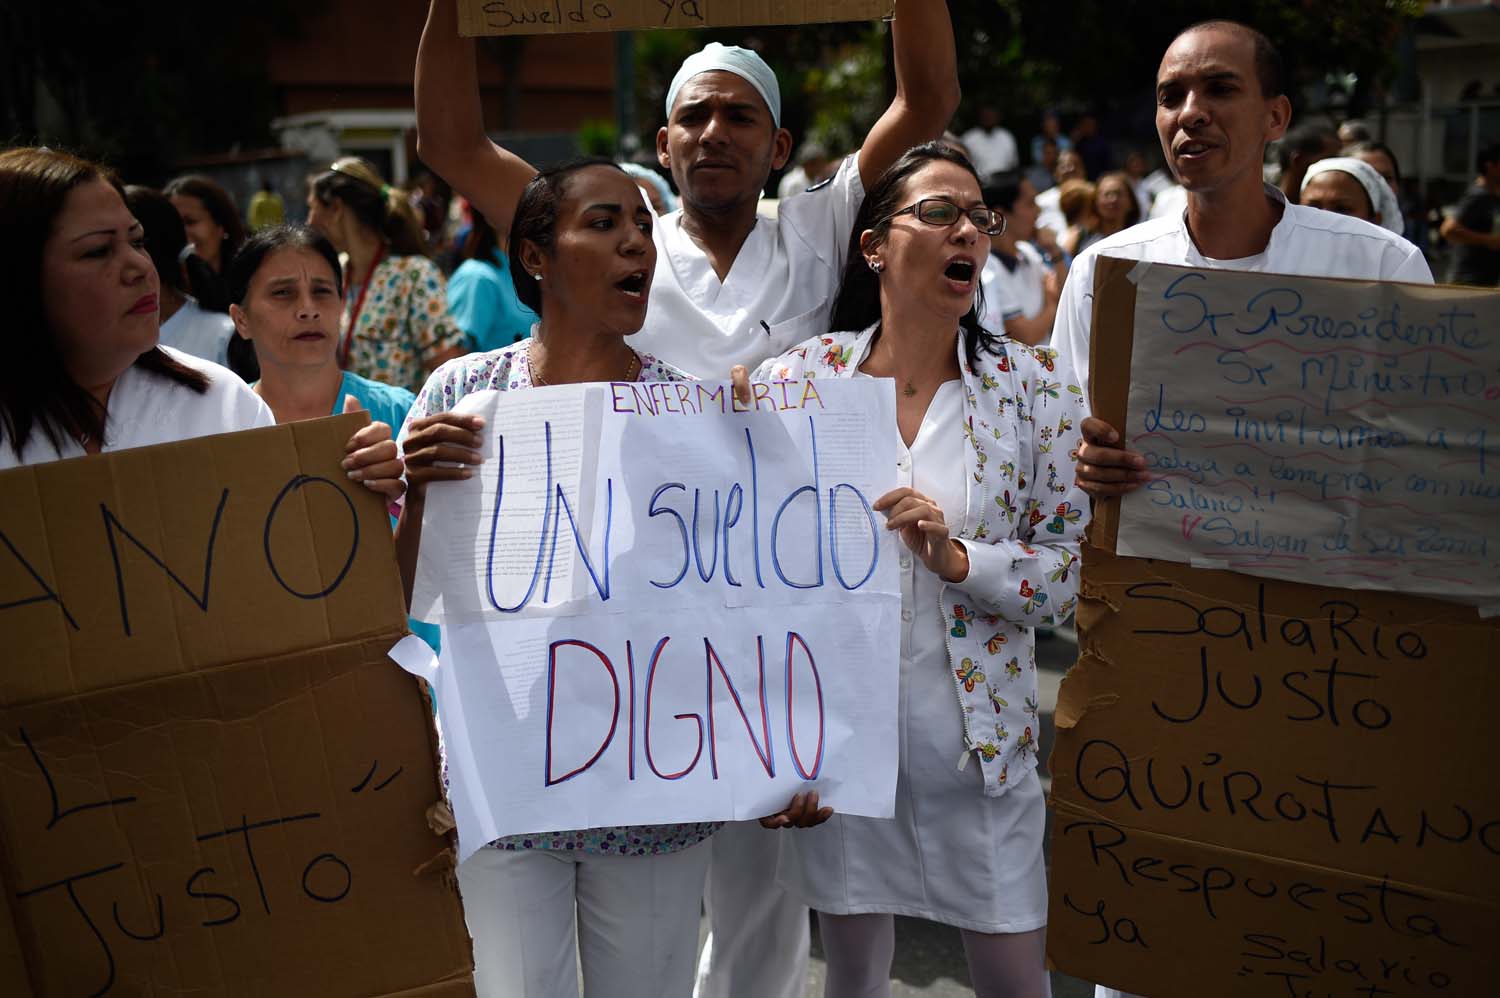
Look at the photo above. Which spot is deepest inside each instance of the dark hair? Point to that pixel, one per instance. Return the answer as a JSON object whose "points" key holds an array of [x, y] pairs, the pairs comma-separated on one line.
{"points": [[1269, 69], [267, 241], [481, 242], [376, 205], [36, 390], [1001, 189], [165, 236], [535, 220], [220, 207], [1487, 155], [858, 302], [1372, 146], [1134, 214], [1310, 139]]}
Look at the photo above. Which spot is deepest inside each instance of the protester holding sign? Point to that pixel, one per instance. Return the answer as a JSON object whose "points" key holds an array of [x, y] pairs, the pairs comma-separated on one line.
{"points": [[733, 288], [1219, 101], [986, 426], [395, 327], [582, 258], [285, 297]]}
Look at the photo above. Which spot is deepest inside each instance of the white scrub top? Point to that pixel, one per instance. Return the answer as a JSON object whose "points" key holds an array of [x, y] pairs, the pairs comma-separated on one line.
{"points": [[1012, 294], [1306, 242], [949, 854], [201, 333], [778, 292], [146, 408]]}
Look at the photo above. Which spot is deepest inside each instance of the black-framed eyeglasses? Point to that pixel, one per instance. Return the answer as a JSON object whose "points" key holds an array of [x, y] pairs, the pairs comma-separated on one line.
{"points": [[941, 212]]}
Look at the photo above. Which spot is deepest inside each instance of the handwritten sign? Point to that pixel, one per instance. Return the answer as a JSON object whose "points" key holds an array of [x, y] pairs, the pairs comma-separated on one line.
{"points": [[1262, 788], [532, 17], [1340, 432], [660, 606], [211, 780]]}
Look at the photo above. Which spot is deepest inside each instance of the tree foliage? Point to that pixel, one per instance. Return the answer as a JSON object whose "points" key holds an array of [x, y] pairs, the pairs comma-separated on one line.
{"points": [[1027, 55], [141, 85]]}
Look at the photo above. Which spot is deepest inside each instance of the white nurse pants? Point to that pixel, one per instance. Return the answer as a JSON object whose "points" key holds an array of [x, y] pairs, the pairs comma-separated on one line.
{"points": [[536, 915], [759, 935]]}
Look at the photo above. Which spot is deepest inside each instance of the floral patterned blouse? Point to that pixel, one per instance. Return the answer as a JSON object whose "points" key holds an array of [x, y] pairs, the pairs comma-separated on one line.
{"points": [[509, 369], [402, 324], [1021, 527]]}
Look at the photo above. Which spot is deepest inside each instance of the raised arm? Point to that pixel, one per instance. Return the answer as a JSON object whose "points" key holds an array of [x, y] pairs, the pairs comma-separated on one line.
{"points": [[927, 89], [450, 122]]}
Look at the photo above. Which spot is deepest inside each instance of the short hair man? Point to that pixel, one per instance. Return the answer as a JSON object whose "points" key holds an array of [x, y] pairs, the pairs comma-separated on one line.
{"points": [[1300, 148], [730, 288], [1472, 228], [1218, 104]]}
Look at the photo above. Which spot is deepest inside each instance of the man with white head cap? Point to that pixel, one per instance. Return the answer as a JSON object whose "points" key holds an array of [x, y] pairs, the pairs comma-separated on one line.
{"points": [[730, 287]]}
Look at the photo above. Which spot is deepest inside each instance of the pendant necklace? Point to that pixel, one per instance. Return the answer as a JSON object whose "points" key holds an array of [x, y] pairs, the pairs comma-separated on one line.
{"points": [[909, 390]]}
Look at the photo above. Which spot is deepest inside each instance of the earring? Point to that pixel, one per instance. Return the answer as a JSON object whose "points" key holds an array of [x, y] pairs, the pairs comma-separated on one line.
{"points": [[536, 277], [876, 265]]}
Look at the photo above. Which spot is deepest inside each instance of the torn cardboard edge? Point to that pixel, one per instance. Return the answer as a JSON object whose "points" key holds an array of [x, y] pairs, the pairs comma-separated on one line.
{"points": [[535, 17]]}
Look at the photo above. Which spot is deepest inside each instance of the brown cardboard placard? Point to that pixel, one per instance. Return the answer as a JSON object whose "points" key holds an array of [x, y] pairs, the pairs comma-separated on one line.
{"points": [[1262, 787], [212, 779], [535, 17]]}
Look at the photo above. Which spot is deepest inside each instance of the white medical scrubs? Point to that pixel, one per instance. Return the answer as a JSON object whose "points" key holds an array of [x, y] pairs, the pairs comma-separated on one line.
{"points": [[146, 408]]}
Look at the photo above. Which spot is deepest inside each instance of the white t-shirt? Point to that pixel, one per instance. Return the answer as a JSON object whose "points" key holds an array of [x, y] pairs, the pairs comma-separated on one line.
{"points": [[1050, 214], [146, 408], [779, 291], [991, 151], [1012, 294], [201, 333], [1306, 242]]}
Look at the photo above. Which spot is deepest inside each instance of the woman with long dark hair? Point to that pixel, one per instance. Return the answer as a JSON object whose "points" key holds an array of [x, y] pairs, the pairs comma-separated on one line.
{"points": [[185, 324], [85, 373], [395, 324], [990, 520]]}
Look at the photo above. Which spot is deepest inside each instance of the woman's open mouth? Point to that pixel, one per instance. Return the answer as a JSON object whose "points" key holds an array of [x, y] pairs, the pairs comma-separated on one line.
{"points": [[634, 285], [960, 270]]}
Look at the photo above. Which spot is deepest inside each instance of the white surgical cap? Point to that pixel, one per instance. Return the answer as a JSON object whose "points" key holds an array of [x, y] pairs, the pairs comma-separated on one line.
{"points": [[742, 62], [1382, 198]]}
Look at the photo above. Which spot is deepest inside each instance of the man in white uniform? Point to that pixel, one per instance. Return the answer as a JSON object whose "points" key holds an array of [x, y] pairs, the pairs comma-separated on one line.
{"points": [[992, 148], [731, 287], [1218, 103]]}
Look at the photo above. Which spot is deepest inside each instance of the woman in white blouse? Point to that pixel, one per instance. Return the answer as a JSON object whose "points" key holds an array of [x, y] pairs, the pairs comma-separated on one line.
{"points": [[85, 373], [990, 519]]}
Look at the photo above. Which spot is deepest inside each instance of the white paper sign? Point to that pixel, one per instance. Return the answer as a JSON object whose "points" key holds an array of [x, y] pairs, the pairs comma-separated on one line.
{"points": [[1331, 432], [657, 608]]}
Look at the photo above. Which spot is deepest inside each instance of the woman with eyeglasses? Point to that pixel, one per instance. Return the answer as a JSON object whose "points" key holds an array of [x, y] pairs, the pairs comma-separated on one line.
{"points": [[989, 519]]}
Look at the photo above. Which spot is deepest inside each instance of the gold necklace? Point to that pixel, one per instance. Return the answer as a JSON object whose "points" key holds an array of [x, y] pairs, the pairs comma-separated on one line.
{"points": [[631, 373], [909, 390]]}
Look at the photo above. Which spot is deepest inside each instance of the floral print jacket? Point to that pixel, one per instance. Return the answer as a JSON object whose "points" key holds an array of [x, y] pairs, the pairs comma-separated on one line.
{"points": [[1021, 528], [402, 323]]}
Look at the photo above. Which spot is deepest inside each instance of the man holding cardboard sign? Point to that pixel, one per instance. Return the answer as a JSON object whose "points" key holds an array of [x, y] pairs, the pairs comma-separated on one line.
{"points": [[1219, 102], [731, 287]]}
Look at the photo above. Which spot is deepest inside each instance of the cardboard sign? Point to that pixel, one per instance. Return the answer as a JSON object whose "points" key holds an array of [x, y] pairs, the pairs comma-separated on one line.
{"points": [[1263, 787], [1332, 431], [211, 779], [660, 606], [536, 17]]}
